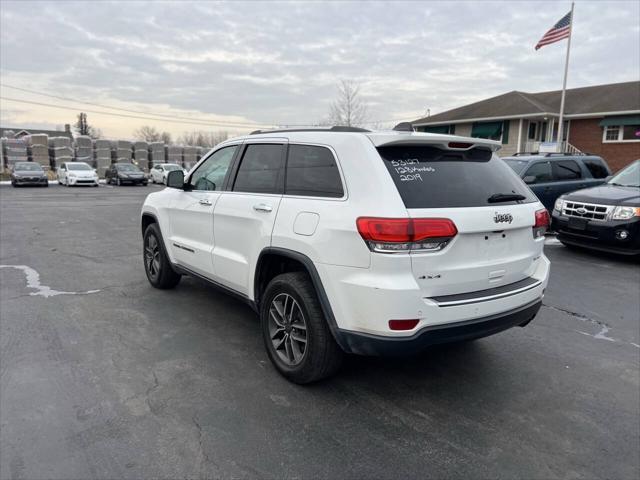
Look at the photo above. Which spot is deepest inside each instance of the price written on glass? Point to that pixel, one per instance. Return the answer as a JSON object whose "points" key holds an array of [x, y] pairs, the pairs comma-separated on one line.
{"points": [[410, 170]]}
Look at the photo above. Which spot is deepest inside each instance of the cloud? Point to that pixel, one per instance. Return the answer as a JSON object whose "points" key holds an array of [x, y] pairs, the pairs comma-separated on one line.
{"points": [[280, 62]]}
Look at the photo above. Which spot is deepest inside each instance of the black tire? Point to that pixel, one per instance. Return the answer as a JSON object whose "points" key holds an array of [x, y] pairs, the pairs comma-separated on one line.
{"points": [[159, 273], [322, 356], [46, 184]]}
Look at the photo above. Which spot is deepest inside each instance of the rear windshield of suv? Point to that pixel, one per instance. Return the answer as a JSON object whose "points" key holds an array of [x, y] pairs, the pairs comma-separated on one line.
{"points": [[429, 177]]}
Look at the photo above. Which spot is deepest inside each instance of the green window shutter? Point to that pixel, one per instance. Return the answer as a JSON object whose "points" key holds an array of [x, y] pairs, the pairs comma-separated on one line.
{"points": [[621, 120], [486, 129], [505, 132]]}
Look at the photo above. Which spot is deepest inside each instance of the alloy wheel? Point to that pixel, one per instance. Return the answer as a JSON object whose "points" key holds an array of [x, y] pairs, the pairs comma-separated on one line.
{"points": [[287, 329], [152, 256]]}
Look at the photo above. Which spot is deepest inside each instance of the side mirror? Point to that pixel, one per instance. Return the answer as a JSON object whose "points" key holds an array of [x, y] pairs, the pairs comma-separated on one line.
{"points": [[175, 179], [529, 179]]}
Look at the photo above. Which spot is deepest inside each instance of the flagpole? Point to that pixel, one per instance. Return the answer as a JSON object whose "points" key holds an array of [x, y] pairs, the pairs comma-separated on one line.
{"points": [[564, 87]]}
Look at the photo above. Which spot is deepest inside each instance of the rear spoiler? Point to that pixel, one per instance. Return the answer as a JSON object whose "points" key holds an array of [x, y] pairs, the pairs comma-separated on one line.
{"points": [[446, 142]]}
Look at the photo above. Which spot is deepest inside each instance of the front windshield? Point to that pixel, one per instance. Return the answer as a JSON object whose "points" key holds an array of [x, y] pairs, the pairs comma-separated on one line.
{"points": [[128, 167], [78, 166], [28, 167], [171, 168], [628, 177]]}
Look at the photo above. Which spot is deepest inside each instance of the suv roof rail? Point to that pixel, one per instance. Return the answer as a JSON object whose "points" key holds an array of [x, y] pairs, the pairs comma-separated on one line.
{"points": [[519, 154], [335, 128], [566, 154]]}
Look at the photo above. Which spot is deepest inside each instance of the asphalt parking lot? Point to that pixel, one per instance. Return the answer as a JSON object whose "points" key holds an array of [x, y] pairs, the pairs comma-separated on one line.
{"points": [[101, 376]]}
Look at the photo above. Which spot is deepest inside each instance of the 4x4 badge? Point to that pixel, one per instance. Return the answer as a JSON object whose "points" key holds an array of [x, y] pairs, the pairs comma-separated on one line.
{"points": [[503, 218]]}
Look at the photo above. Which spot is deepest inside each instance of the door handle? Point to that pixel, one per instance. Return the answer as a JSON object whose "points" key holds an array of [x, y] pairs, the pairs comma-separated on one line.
{"points": [[205, 201], [262, 207]]}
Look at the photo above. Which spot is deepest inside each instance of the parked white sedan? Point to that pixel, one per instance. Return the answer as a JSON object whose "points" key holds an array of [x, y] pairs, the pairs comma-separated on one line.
{"points": [[159, 172], [77, 173]]}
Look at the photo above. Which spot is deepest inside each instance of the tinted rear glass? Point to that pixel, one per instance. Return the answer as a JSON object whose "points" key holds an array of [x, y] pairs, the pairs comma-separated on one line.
{"points": [[428, 177]]}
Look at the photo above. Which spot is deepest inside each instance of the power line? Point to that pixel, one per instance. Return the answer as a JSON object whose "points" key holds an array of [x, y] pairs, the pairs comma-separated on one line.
{"points": [[176, 117], [209, 124], [172, 117]]}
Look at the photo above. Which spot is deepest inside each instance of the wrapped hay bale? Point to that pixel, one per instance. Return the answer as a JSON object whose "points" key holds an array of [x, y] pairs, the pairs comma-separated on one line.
{"points": [[174, 154], [14, 150], [84, 150], [38, 149], [123, 151], [141, 154], [156, 153], [60, 150], [189, 156]]}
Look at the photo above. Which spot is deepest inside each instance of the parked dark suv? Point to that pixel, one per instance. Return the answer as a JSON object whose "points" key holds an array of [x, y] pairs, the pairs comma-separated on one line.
{"points": [[606, 217], [552, 174]]}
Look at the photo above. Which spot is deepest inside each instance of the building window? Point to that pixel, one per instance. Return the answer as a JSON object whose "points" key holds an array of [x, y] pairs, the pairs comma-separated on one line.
{"points": [[612, 133], [621, 129]]}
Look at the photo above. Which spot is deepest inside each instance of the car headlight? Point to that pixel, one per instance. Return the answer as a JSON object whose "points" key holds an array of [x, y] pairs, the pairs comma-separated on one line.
{"points": [[559, 205], [72, 175], [625, 213]]}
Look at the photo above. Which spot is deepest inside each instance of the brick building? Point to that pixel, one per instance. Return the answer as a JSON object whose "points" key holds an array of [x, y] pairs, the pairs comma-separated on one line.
{"points": [[602, 119]]}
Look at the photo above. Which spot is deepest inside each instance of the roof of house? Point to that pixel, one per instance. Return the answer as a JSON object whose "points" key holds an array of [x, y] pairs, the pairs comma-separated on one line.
{"points": [[29, 131], [613, 97]]}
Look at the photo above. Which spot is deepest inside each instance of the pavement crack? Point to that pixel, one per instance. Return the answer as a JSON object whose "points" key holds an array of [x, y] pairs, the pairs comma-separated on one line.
{"points": [[604, 327], [577, 315], [150, 390], [204, 457]]}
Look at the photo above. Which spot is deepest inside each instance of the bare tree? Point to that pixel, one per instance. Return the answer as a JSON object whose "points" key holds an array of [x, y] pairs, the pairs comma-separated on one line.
{"points": [[202, 139], [151, 134], [349, 109], [82, 127]]}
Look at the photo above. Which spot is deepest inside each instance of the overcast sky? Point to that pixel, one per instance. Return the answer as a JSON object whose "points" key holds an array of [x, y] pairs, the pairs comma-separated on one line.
{"points": [[279, 63]]}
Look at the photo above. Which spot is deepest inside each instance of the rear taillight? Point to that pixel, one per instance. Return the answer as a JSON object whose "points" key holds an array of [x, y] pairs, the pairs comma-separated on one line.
{"points": [[390, 235], [541, 224]]}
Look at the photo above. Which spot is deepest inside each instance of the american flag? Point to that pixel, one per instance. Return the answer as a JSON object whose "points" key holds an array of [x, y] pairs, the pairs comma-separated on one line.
{"points": [[559, 31]]}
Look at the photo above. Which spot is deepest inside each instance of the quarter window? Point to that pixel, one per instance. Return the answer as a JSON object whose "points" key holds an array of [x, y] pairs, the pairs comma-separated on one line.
{"points": [[566, 170], [211, 173], [541, 171], [260, 170], [312, 171]]}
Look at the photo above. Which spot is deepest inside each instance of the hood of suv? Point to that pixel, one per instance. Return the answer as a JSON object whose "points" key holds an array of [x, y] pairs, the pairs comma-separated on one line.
{"points": [[607, 195]]}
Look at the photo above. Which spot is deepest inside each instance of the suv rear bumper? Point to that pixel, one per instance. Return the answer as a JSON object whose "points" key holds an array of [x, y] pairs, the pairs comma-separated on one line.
{"points": [[368, 344]]}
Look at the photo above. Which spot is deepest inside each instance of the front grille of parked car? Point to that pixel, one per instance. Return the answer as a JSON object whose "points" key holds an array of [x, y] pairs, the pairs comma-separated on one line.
{"points": [[589, 211]]}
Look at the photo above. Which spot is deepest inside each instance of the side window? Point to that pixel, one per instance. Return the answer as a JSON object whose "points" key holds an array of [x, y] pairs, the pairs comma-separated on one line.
{"points": [[211, 173], [541, 171], [566, 170], [260, 169], [312, 171], [596, 167]]}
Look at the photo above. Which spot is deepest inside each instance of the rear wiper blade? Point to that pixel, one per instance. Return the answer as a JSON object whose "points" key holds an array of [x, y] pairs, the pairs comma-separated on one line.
{"points": [[505, 197]]}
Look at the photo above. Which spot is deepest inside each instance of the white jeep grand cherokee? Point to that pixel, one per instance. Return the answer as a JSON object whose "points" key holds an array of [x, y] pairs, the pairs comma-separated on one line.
{"points": [[345, 240]]}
